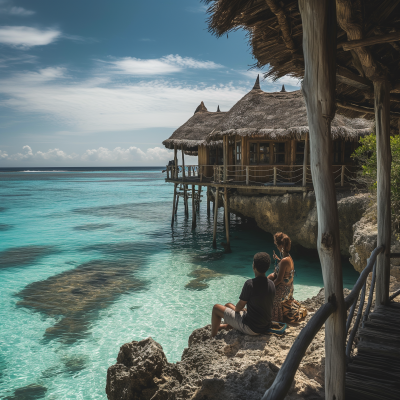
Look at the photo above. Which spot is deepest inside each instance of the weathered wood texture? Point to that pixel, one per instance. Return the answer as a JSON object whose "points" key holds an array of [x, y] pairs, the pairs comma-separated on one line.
{"points": [[319, 46], [390, 37], [284, 379], [382, 118], [350, 19], [215, 218]]}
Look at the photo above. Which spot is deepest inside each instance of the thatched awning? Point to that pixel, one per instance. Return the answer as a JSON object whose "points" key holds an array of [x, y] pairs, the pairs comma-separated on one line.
{"points": [[193, 133], [280, 115], [275, 34]]}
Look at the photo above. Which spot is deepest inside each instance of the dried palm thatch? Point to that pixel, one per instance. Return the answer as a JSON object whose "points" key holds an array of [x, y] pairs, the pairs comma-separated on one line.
{"points": [[193, 133], [275, 35], [280, 115]]}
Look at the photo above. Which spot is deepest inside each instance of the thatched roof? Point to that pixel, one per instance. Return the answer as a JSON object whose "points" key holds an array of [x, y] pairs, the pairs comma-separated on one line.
{"points": [[275, 35], [194, 132], [280, 115]]}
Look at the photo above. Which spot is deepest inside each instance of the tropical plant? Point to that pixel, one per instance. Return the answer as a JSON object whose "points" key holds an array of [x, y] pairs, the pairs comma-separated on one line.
{"points": [[365, 154]]}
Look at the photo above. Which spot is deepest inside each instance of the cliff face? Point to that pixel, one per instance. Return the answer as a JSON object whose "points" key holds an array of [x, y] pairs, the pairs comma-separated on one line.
{"points": [[230, 366], [297, 216]]}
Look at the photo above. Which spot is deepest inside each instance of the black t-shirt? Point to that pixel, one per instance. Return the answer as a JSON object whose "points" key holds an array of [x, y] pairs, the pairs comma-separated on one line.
{"points": [[259, 293]]}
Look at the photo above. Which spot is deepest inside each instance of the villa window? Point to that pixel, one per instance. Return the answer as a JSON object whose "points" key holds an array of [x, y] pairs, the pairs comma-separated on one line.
{"points": [[216, 156], [337, 152], [279, 153], [238, 153], [253, 153], [264, 153], [300, 146]]}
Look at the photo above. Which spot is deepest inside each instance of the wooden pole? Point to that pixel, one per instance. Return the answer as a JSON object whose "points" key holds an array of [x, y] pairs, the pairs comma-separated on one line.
{"points": [[247, 175], [183, 164], [208, 201], [175, 162], [173, 206], [305, 162], [319, 46], [193, 207], [226, 209], [384, 159], [185, 195], [215, 218], [225, 154], [198, 205], [274, 176], [342, 175]]}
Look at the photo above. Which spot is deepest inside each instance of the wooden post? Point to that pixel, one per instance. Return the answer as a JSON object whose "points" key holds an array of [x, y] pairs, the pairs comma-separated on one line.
{"points": [[198, 205], [319, 85], [189, 171], [177, 202], [384, 159], [176, 168], [193, 207], [208, 201], [305, 162], [215, 173], [247, 175], [342, 175], [274, 176], [173, 206], [183, 164], [225, 155], [185, 196], [201, 173], [226, 210], [215, 218]]}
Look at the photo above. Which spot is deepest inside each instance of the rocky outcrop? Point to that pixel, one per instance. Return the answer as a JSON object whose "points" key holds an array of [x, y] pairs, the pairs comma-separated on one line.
{"points": [[365, 234], [230, 366], [297, 215]]}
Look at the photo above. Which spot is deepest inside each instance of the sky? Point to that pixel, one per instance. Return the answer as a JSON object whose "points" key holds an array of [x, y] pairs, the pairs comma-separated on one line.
{"points": [[103, 83]]}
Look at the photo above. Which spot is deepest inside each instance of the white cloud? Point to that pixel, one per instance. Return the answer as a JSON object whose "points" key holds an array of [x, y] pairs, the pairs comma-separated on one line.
{"points": [[158, 66], [25, 36], [202, 8], [20, 11], [100, 156], [102, 105]]}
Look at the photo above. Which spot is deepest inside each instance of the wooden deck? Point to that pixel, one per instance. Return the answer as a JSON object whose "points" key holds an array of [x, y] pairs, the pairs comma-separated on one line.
{"points": [[374, 373]]}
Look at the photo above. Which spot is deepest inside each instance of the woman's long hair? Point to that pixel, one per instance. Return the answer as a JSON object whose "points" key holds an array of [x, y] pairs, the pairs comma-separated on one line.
{"points": [[282, 241]]}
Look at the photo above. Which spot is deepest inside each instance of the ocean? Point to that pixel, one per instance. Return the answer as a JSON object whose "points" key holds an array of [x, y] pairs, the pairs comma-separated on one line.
{"points": [[88, 262]]}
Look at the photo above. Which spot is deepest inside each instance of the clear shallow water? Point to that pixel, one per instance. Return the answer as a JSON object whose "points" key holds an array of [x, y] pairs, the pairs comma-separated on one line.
{"points": [[88, 261]]}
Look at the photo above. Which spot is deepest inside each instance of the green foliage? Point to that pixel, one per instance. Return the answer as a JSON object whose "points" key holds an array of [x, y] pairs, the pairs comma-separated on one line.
{"points": [[365, 154]]}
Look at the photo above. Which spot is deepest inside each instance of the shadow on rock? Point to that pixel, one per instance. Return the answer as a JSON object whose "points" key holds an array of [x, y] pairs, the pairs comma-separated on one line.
{"points": [[30, 392], [78, 294], [25, 255]]}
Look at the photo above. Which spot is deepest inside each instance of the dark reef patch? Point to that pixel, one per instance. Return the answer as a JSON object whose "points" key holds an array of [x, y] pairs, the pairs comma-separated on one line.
{"points": [[25, 255], [70, 365], [30, 392], [5, 227], [2, 209], [144, 211], [76, 296], [201, 276], [92, 227]]}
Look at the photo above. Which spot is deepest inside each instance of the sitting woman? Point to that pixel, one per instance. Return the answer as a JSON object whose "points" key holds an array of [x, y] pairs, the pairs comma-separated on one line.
{"points": [[282, 276]]}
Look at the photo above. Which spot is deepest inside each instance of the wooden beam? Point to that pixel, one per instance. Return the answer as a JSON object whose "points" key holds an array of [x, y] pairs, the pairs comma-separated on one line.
{"points": [[319, 46], [383, 154], [283, 24], [208, 201], [370, 41], [350, 20], [215, 218], [176, 168], [226, 210], [347, 77], [364, 110], [183, 163]]}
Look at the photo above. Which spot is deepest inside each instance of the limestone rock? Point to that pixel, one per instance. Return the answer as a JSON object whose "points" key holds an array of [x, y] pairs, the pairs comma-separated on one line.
{"points": [[230, 366], [297, 215]]}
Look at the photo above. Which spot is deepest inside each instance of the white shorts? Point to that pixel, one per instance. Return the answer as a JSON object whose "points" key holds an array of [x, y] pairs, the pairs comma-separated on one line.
{"points": [[235, 320]]}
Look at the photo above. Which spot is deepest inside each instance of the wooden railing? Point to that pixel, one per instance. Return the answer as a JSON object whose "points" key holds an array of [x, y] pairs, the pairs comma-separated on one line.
{"points": [[277, 175], [284, 379]]}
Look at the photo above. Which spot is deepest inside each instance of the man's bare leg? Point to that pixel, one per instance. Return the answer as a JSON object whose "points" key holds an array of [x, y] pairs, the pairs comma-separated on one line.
{"points": [[216, 316]]}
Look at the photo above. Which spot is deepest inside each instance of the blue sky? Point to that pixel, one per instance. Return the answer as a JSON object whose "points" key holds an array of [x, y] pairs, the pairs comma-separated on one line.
{"points": [[102, 83]]}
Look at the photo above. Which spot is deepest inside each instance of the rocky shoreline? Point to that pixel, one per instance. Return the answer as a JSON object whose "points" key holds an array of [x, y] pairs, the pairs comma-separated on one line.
{"points": [[229, 366]]}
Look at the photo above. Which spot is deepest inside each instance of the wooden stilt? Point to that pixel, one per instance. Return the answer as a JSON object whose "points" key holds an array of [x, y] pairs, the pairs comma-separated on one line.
{"points": [[193, 207], [176, 168], [173, 206], [319, 46], [226, 209], [383, 153], [186, 201], [198, 205], [208, 201], [215, 218], [177, 202], [183, 164]]}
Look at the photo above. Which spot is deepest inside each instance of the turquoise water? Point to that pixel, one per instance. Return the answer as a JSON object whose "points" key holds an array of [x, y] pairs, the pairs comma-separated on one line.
{"points": [[88, 261]]}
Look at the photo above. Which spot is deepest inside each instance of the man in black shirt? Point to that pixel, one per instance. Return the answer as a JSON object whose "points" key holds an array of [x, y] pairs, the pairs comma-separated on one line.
{"points": [[258, 293]]}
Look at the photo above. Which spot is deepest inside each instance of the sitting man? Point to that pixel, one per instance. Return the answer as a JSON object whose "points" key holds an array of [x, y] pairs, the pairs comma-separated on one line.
{"points": [[258, 293]]}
